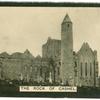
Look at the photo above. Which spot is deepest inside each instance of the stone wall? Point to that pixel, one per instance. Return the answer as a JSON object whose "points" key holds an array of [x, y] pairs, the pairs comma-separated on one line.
{"points": [[52, 49]]}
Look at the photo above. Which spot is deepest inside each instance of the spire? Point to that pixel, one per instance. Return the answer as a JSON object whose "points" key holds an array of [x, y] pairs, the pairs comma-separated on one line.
{"points": [[66, 19]]}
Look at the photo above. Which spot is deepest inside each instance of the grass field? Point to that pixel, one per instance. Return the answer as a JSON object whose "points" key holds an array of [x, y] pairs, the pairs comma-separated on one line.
{"points": [[12, 90]]}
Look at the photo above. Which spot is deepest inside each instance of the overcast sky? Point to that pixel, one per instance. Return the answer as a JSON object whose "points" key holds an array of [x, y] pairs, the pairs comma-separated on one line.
{"points": [[24, 28]]}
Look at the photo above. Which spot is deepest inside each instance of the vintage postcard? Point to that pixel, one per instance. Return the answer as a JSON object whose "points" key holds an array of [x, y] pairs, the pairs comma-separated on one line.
{"points": [[50, 51]]}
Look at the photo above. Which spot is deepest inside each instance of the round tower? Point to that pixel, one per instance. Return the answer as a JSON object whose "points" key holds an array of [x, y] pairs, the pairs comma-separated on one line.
{"points": [[67, 68]]}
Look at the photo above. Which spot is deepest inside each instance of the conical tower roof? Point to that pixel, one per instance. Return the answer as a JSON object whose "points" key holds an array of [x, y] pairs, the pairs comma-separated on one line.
{"points": [[66, 19]]}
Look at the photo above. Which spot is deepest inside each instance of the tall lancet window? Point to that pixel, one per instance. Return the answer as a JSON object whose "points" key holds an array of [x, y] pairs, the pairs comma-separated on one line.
{"points": [[85, 69], [68, 25], [75, 68], [90, 69], [81, 69], [75, 64]]}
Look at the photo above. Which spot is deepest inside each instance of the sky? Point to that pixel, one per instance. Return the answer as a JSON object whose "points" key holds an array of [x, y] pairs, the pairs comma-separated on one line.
{"points": [[24, 28]]}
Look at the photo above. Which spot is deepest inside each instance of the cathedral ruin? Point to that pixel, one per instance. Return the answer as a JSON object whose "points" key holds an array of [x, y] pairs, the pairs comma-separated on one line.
{"points": [[59, 64]]}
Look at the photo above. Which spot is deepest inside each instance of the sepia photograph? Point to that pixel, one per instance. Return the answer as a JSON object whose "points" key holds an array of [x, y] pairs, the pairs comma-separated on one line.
{"points": [[50, 49]]}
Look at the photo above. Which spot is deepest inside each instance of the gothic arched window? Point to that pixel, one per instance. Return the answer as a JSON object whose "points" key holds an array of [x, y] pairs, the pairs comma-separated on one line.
{"points": [[81, 69], [90, 69], [85, 69], [75, 64], [67, 25]]}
